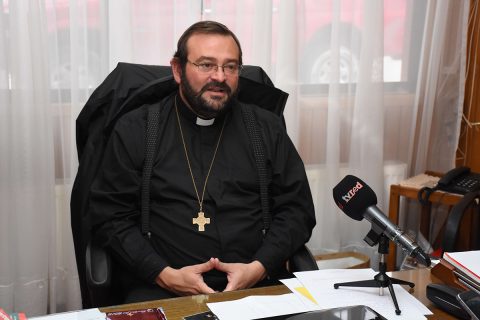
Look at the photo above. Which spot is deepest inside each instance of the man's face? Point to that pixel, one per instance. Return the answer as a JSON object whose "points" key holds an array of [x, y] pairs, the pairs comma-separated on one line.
{"points": [[207, 93]]}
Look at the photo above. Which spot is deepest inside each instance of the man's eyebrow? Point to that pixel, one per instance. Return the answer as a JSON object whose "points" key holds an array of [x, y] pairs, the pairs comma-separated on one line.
{"points": [[204, 58]]}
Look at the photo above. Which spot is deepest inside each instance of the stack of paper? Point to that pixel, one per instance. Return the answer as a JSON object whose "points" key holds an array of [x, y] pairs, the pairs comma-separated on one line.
{"points": [[467, 267], [314, 290]]}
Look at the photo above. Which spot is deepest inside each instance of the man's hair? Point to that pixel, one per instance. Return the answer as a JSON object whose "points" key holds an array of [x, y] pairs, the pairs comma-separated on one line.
{"points": [[203, 27]]}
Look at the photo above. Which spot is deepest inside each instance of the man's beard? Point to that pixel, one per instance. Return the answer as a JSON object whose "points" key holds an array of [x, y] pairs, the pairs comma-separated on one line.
{"points": [[199, 104]]}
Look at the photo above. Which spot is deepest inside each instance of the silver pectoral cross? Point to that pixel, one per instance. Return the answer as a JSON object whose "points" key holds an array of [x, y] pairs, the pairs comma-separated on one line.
{"points": [[201, 221]]}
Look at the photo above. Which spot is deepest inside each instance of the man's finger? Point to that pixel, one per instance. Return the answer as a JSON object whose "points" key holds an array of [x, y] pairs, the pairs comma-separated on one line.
{"points": [[230, 287], [205, 289], [221, 266], [204, 267]]}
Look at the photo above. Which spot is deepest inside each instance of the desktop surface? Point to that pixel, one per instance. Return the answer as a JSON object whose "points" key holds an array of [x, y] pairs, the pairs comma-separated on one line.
{"points": [[177, 308]]}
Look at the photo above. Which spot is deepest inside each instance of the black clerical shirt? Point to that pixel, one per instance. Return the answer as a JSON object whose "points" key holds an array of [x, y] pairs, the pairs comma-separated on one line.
{"points": [[231, 200]]}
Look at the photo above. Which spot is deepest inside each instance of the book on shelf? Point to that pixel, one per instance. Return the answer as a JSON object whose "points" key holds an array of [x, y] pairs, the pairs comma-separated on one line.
{"points": [[466, 265]]}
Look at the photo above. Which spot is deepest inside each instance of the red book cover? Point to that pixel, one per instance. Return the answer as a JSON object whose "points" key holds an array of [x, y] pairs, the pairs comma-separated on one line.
{"points": [[467, 262], [143, 314], [4, 315]]}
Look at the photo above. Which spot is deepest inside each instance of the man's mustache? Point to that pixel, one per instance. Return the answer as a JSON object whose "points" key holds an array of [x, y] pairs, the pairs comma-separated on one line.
{"points": [[215, 84]]}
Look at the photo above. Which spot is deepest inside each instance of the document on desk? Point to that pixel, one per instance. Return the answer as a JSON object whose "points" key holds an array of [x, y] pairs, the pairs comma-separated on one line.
{"points": [[320, 284], [88, 314], [257, 307], [313, 290], [301, 292]]}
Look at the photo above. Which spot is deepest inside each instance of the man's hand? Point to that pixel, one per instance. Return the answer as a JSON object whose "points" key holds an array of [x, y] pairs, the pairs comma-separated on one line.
{"points": [[241, 275], [187, 280]]}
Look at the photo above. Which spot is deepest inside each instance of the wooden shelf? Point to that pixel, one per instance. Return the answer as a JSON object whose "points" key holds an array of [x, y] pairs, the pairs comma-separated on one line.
{"points": [[397, 191]]}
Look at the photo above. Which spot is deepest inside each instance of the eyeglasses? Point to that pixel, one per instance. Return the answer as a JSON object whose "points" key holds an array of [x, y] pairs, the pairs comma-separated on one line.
{"points": [[230, 69]]}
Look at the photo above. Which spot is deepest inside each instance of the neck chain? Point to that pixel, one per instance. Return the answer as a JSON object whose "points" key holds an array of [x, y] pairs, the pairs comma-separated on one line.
{"points": [[201, 220]]}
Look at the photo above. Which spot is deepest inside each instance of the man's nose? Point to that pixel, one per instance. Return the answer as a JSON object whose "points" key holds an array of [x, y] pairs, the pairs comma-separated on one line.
{"points": [[218, 74]]}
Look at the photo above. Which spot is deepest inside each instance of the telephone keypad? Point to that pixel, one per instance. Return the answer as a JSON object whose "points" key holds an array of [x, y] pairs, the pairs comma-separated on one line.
{"points": [[468, 184]]}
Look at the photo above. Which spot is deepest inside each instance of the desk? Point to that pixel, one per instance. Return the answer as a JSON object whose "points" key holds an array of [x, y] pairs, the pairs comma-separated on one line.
{"points": [[177, 308], [397, 190]]}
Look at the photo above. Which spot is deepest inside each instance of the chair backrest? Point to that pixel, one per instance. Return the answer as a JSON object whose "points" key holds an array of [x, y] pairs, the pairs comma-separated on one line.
{"points": [[126, 88], [130, 85], [454, 220]]}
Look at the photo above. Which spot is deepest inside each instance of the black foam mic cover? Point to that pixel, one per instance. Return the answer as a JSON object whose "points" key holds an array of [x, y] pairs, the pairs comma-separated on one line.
{"points": [[353, 196]]}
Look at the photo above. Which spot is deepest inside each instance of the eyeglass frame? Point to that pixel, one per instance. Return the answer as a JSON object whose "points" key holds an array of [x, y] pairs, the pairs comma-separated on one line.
{"points": [[215, 68]]}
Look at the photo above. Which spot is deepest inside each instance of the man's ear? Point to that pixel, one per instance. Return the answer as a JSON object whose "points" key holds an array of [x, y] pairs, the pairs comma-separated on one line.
{"points": [[176, 69]]}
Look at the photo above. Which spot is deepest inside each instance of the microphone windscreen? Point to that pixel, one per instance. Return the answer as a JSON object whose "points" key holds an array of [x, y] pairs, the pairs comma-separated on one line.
{"points": [[353, 196]]}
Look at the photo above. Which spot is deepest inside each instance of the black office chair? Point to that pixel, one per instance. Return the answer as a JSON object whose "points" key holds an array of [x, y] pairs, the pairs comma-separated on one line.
{"points": [[452, 225], [128, 87]]}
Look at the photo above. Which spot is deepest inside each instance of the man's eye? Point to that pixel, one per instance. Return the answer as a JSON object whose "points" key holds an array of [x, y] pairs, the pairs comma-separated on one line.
{"points": [[231, 67], [206, 66]]}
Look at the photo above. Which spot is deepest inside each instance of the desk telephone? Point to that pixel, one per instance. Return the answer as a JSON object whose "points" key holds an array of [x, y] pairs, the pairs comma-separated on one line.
{"points": [[458, 180]]}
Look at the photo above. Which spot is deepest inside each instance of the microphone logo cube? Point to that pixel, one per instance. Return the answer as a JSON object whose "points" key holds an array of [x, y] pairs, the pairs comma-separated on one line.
{"points": [[351, 193]]}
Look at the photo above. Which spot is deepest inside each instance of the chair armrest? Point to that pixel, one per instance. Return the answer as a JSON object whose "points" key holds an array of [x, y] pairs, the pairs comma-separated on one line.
{"points": [[98, 266], [302, 260]]}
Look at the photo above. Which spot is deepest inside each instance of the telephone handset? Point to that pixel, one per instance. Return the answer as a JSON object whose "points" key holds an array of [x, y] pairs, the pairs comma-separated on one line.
{"points": [[458, 180]]}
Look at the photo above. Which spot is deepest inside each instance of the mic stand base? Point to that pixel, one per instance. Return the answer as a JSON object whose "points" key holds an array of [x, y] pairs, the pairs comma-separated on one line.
{"points": [[381, 279]]}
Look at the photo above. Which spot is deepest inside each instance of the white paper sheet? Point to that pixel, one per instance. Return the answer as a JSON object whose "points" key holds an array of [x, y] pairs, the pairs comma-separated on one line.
{"points": [[301, 292], [88, 314], [320, 284], [256, 307]]}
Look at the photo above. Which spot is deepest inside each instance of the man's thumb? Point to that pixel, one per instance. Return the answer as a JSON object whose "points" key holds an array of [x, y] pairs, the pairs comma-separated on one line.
{"points": [[221, 266], [206, 266]]}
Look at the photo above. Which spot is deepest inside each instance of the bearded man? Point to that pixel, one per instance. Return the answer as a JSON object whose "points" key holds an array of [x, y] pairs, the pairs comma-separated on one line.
{"points": [[205, 213]]}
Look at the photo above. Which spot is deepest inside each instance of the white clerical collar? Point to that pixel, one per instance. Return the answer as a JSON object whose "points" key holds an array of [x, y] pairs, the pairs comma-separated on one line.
{"points": [[205, 122]]}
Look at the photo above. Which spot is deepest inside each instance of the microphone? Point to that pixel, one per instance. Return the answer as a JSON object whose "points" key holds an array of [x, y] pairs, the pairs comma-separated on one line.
{"points": [[358, 201]]}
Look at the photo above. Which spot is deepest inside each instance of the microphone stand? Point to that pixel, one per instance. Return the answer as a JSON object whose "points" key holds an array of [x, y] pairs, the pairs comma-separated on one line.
{"points": [[381, 279]]}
